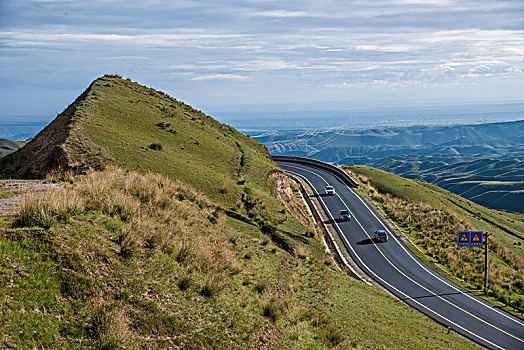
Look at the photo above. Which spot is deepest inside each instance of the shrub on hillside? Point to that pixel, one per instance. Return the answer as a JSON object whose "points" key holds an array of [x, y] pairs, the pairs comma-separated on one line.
{"points": [[272, 309], [155, 146]]}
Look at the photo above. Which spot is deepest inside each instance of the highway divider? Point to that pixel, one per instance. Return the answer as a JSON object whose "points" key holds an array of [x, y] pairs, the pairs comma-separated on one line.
{"points": [[341, 174]]}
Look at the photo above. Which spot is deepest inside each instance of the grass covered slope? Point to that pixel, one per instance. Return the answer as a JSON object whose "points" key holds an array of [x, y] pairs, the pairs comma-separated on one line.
{"points": [[8, 146], [432, 216], [144, 129], [117, 121], [176, 241], [120, 259]]}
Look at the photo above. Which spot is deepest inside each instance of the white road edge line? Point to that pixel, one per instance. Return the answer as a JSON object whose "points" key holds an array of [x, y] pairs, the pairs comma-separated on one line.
{"points": [[348, 265], [400, 292], [434, 273]]}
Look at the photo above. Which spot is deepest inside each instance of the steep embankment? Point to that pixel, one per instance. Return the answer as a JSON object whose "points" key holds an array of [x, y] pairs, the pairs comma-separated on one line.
{"points": [[50, 149], [190, 251]]}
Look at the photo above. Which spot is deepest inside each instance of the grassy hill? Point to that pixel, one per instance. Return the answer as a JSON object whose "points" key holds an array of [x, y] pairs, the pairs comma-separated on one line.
{"points": [[432, 216], [8, 146], [494, 183], [175, 241], [116, 121]]}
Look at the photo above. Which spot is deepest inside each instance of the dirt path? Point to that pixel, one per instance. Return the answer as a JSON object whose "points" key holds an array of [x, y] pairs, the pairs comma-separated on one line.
{"points": [[12, 193]]}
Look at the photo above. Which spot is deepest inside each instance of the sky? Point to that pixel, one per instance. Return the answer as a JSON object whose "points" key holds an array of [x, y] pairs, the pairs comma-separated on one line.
{"points": [[225, 53]]}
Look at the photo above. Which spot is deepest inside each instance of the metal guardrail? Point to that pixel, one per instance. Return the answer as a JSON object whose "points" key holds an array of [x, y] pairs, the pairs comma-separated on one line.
{"points": [[330, 240], [515, 307], [340, 173]]}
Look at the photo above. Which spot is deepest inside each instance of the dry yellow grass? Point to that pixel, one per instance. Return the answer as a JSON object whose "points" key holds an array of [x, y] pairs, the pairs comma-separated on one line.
{"points": [[435, 231], [145, 213], [134, 260]]}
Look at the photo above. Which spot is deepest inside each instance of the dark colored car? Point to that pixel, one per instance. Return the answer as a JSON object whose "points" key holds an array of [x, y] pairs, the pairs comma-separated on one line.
{"points": [[381, 236], [344, 215]]}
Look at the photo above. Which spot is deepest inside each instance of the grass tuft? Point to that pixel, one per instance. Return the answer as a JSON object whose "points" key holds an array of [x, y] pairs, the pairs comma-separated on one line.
{"points": [[212, 286], [272, 310], [184, 283]]}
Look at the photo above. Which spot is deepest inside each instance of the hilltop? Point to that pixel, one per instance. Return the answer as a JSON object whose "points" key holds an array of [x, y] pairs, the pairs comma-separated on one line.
{"points": [[117, 121], [166, 232]]}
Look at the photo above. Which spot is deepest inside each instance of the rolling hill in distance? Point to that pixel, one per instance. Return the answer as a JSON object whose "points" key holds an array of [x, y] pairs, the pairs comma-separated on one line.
{"points": [[482, 162], [9, 146], [187, 235]]}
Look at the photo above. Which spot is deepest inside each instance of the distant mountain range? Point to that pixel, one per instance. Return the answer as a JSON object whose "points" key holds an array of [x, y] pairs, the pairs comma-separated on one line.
{"points": [[481, 162], [495, 183]]}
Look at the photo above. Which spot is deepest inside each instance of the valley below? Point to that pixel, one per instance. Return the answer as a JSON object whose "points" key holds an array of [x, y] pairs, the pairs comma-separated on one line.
{"points": [[483, 162]]}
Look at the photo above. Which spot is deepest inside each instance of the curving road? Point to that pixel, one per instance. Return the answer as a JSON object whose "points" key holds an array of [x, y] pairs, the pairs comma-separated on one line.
{"points": [[401, 272]]}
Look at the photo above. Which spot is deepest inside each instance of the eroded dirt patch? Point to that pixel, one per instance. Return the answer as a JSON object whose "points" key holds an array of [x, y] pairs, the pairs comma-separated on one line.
{"points": [[12, 193], [282, 191]]}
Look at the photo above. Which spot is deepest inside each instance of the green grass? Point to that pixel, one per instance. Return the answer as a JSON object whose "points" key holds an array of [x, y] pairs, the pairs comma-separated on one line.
{"points": [[431, 217], [115, 121], [122, 120], [231, 289], [180, 247]]}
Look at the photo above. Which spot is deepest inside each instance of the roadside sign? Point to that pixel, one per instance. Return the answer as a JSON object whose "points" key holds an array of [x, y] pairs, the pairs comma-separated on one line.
{"points": [[463, 239], [476, 239], [469, 239]]}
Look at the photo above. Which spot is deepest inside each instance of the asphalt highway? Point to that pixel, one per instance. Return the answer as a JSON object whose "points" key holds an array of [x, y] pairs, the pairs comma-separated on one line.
{"points": [[401, 272]]}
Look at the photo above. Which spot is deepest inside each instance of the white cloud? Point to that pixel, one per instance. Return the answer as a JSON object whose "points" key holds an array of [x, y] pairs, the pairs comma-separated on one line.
{"points": [[125, 58], [425, 2], [282, 46], [376, 83], [221, 77], [385, 48], [283, 14]]}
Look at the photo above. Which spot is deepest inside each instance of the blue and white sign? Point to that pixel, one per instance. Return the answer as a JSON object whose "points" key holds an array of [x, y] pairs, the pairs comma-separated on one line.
{"points": [[470, 239]]}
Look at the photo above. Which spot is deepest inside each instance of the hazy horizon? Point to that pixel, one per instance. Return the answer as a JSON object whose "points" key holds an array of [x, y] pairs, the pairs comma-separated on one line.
{"points": [[312, 115], [207, 53]]}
